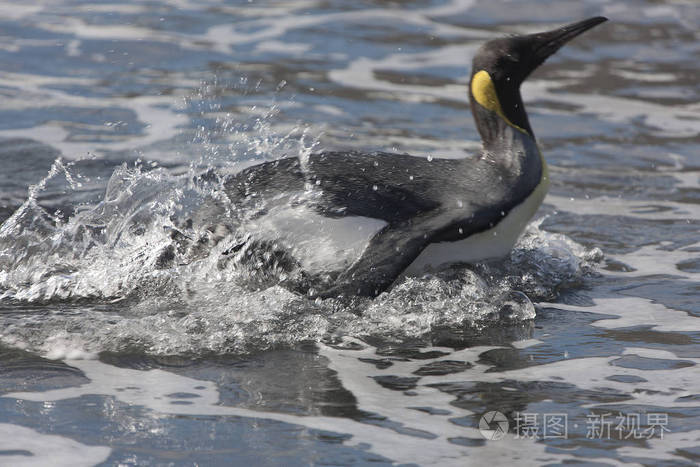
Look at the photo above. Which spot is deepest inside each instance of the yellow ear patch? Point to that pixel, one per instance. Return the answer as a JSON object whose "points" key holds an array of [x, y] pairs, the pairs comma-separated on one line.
{"points": [[484, 93]]}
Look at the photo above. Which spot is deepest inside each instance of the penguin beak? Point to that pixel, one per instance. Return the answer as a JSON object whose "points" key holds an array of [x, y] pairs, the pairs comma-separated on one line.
{"points": [[546, 43]]}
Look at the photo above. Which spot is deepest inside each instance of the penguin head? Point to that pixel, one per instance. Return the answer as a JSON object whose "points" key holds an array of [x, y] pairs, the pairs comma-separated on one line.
{"points": [[499, 68]]}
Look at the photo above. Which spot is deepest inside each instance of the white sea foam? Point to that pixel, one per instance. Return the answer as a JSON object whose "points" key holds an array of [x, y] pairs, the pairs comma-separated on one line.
{"points": [[425, 439], [21, 446], [657, 260], [525, 343], [151, 389], [678, 121], [644, 209], [157, 114], [635, 311]]}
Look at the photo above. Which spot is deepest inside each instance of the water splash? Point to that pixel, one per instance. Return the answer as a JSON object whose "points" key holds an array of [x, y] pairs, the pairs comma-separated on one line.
{"points": [[199, 308], [229, 141]]}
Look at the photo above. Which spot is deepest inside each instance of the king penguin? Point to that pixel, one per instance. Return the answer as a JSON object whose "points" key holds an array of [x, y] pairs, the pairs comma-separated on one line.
{"points": [[355, 222]]}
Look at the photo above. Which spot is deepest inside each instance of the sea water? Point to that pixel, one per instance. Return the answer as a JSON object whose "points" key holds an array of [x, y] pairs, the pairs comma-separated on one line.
{"points": [[121, 346]]}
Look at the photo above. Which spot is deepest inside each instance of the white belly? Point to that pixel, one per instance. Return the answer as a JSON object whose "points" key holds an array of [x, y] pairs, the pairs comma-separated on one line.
{"points": [[318, 242], [489, 244]]}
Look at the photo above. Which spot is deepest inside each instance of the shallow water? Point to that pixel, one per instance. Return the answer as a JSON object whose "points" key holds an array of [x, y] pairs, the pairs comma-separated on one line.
{"points": [[114, 352]]}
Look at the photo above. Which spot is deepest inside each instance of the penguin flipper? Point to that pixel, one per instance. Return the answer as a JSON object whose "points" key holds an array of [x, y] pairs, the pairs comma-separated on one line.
{"points": [[384, 259]]}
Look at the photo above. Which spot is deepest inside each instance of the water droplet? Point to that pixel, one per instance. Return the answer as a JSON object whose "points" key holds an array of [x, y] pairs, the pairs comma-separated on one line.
{"points": [[460, 204], [410, 177], [461, 230], [430, 158], [375, 187]]}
